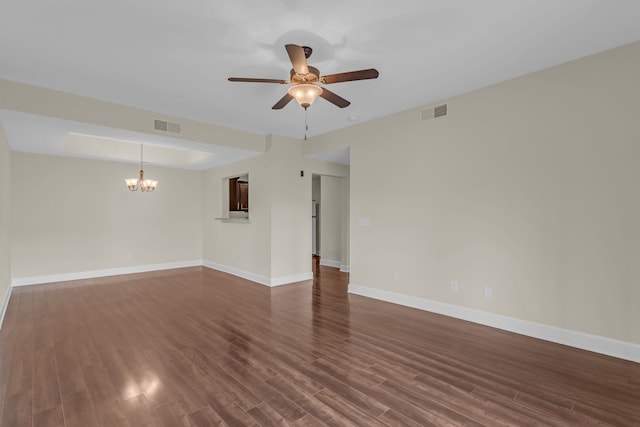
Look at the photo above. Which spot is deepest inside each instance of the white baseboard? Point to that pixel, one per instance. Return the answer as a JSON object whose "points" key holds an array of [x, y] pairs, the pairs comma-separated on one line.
{"points": [[330, 263], [50, 278], [581, 340], [5, 304], [295, 278], [344, 268], [263, 280]]}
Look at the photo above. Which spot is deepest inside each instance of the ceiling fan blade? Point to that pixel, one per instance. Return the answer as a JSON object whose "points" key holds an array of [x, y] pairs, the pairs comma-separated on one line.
{"points": [[243, 79], [298, 58], [334, 99], [283, 101], [370, 73]]}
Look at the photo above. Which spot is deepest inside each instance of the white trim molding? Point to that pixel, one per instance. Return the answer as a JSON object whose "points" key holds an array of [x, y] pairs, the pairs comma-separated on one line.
{"points": [[295, 278], [344, 268], [5, 304], [263, 280], [598, 344], [330, 263], [63, 277]]}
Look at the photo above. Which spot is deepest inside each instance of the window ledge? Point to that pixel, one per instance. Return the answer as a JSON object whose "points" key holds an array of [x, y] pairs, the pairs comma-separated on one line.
{"points": [[237, 220]]}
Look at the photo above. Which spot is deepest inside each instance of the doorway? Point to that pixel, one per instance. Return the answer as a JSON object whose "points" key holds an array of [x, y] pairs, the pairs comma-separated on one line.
{"points": [[330, 220]]}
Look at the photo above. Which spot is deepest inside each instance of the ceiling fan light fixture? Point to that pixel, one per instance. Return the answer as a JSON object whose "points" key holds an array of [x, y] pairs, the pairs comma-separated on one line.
{"points": [[305, 93]]}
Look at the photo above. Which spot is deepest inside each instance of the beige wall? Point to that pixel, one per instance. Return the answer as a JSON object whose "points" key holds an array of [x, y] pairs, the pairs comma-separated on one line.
{"points": [[5, 226], [529, 187], [243, 246], [332, 219], [46, 102], [275, 244], [290, 208], [76, 215]]}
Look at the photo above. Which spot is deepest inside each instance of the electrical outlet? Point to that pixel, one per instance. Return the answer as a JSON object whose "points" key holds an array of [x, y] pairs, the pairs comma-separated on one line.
{"points": [[453, 286], [128, 256], [396, 276], [488, 292]]}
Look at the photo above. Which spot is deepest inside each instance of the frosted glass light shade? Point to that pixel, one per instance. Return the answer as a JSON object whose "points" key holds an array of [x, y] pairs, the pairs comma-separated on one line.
{"points": [[132, 183], [305, 94], [148, 185]]}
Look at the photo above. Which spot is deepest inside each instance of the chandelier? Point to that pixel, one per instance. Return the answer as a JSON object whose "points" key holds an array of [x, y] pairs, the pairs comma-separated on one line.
{"points": [[144, 184]]}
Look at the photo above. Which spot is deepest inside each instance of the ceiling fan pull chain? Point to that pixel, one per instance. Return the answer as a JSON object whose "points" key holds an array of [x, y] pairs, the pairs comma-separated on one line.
{"points": [[306, 123]]}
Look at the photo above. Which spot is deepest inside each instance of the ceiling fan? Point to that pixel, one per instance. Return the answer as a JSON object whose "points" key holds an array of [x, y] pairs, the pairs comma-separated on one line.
{"points": [[304, 79]]}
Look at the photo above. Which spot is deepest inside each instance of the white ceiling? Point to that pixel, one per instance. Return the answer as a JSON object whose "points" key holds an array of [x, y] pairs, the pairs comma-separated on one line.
{"points": [[174, 57]]}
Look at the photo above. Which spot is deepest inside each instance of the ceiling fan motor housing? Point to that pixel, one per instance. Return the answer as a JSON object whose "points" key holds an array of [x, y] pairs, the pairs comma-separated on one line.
{"points": [[312, 77]]}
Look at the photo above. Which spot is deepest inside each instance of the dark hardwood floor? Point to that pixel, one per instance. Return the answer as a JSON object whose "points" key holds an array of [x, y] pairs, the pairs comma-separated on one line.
{"points": [[196, 347]]}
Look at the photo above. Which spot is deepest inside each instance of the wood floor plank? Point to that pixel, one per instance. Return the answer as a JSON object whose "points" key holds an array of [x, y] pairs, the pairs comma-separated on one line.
{"points": [[17, 410], [189, 398], [69, 371], [99, 385], [207, 417], [286, 408], [172, 415], [396, 419], [291, 388], [139, 412], [42, 336], [209, 390], [320, 411], [155, 391], [348, 408], [354, 395], [78, 411], [110, 414], [18, 401], [7, 347], [122, 379], [265, 415], [308, 421], [46, 390], [195, 347], [240, 394], [49, 418]]}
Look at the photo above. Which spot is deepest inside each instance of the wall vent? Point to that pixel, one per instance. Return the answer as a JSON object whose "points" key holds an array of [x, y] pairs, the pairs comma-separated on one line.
{"points": [[434, 113], [163, 126], [440, 110]]}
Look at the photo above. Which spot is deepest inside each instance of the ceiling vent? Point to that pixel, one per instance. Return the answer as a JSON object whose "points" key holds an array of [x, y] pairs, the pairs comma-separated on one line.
{"points": [[163, 126], [434, 113]]}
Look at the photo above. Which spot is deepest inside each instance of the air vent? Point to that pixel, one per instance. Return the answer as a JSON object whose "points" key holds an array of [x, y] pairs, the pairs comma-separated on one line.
{"points": [[434, 113], [175, 127], [440, 110], [160, 125], [163, 126]]}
